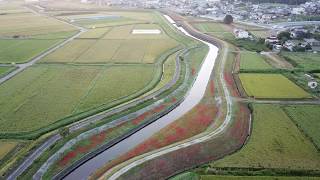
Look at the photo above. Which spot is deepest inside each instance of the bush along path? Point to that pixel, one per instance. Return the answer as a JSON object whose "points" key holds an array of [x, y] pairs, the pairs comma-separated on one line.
{"points": [[225, 139]]}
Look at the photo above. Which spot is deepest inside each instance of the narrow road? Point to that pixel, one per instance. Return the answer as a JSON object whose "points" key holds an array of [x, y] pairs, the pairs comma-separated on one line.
{"points": [[210, 135], [22, 67]]}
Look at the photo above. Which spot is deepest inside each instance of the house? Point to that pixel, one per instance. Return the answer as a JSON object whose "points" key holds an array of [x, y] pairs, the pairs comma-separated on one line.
{"points": [[271, 40], [289, 45], [241, 34], [312, 42], [298, 10]]}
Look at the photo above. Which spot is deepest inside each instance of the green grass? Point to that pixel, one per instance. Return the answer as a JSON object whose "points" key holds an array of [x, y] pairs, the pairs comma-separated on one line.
{"points": [[253, 61], [307, 119], [275, 142], [5, 70], [271, 86], [43, 94], [55, 35], [20, 51], [211, 27], [303, 60]]}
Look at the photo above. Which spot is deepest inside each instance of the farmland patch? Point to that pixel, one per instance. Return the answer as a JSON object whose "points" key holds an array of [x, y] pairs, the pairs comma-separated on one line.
{"points": [[252, 61], [307, 119], [20, 51], [275, 143], [6, 147], [271, 86], [5, 70], [43, 94], [304, 60]]}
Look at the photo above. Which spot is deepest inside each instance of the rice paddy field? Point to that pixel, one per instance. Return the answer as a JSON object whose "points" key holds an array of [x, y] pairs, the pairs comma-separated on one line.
{"points": [[6, 147], [44, 94], [253, 61], [275, 142], [303, 60], [115, 45], [307, 119], [211, 27], [4, 70], [13, 24], [217, 177], [101, 67], [271, 86], [20, 51]]}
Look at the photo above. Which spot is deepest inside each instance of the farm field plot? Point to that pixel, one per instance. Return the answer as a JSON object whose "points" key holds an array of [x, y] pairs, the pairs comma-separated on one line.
{"points": [[211, 27], [252, 61], [20, 51], [304, 60], [271, 86], [6, 147], [55, 35], [221, 177], [115, 47], [276, 142], [94, 33], [5, 70], [69, 52], [14, 24], [307, 119], [44, 94]]}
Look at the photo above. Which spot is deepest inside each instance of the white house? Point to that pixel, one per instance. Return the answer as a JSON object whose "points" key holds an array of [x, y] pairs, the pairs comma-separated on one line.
{"points": [[241, 34]]}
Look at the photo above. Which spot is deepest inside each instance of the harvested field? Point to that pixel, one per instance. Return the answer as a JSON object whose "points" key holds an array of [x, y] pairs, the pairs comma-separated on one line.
{"points": [[271, 86], [221, 177], [275, 142], [34, 98], [20, 51], [253, 61]]}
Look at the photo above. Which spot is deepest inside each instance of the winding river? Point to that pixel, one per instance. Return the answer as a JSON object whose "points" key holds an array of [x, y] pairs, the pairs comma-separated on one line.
{"points": [[193, 97]]}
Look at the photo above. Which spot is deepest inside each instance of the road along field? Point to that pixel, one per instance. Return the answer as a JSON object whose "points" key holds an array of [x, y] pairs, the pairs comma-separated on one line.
{"points": [[271, 86]]}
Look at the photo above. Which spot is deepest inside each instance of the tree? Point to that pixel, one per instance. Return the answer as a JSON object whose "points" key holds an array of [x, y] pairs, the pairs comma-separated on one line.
{"points": [[64, 131], [228, 19], [284, 36]]}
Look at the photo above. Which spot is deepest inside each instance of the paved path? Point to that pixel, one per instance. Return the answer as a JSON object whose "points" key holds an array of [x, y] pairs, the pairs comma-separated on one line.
{"points": [[284, 102], [210, 135], [33, 156]]}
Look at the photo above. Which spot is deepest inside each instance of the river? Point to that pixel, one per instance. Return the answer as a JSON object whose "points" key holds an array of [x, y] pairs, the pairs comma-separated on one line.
{"points": [[193, 97]]}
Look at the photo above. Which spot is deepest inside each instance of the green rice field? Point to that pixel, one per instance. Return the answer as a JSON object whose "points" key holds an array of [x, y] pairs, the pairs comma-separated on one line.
{"points": [[217, 177], [271, 86], [253, 61], [20, 51], [5, 70], [304, 60], [6, 147], [307, 119], [211, 27], [275, 142], [43, 94]]}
